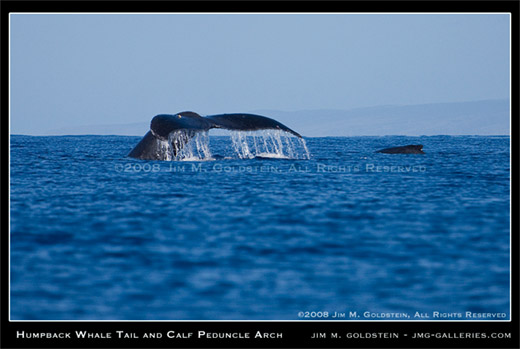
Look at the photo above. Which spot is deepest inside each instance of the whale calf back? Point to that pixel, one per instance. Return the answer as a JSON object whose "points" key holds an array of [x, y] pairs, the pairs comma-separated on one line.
{"points": [[151, 146], [406, 149]]}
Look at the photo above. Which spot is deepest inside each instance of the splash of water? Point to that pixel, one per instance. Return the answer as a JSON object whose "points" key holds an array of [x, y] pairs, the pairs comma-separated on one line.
{"points": [[269, 143], [188, 145]]}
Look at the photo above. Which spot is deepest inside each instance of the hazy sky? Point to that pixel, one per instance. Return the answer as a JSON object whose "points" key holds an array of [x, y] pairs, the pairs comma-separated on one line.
{"points": [[70, 70]]}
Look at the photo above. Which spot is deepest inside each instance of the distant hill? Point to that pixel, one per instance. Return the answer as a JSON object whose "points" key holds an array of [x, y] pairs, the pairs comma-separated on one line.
{"points": [[489, 117], [465, 118]]}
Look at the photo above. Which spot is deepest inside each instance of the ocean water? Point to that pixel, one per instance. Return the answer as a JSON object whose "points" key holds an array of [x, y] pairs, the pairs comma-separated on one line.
{"points": [[97, 235]]}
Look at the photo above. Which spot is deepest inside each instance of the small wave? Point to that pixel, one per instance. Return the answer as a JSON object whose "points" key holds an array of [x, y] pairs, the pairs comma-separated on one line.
{"points": [[271, 156], [196, 158]]}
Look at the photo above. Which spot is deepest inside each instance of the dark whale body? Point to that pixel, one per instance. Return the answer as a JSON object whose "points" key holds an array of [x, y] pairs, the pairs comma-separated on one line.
{"points": [[189, 123], [407, 149]]}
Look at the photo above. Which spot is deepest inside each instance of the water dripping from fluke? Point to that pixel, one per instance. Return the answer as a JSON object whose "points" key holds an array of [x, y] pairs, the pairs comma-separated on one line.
{"points": [[268, 144], [187, 145]]}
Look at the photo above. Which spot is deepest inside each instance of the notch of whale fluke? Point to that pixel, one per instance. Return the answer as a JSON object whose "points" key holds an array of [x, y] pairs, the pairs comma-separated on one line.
{"points": [[407, 149], [189, 123]]}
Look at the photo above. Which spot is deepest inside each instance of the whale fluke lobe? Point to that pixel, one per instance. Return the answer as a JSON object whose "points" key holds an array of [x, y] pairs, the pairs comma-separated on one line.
{"points": [[407, 149], [248, 122], [163, 124], [177, 130]]}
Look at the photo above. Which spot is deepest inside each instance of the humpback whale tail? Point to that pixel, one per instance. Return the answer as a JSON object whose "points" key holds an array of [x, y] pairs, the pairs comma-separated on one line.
{"points": [[187, 124]]}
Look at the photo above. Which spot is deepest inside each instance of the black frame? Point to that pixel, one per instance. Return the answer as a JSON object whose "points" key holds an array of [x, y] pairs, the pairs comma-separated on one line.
{"points": [[294, 333]]}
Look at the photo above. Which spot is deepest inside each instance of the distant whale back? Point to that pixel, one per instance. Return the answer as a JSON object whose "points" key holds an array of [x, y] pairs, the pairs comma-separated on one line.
{"points": [[406, 149]]}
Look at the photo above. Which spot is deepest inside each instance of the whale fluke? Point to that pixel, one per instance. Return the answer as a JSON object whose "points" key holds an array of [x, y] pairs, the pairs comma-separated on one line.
{"points": [[248, 122], [189, 123], [407, 149]]}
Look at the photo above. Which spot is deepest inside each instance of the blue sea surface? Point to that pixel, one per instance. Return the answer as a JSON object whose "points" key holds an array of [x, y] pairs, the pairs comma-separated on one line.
{"points": [[96, 235]]}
